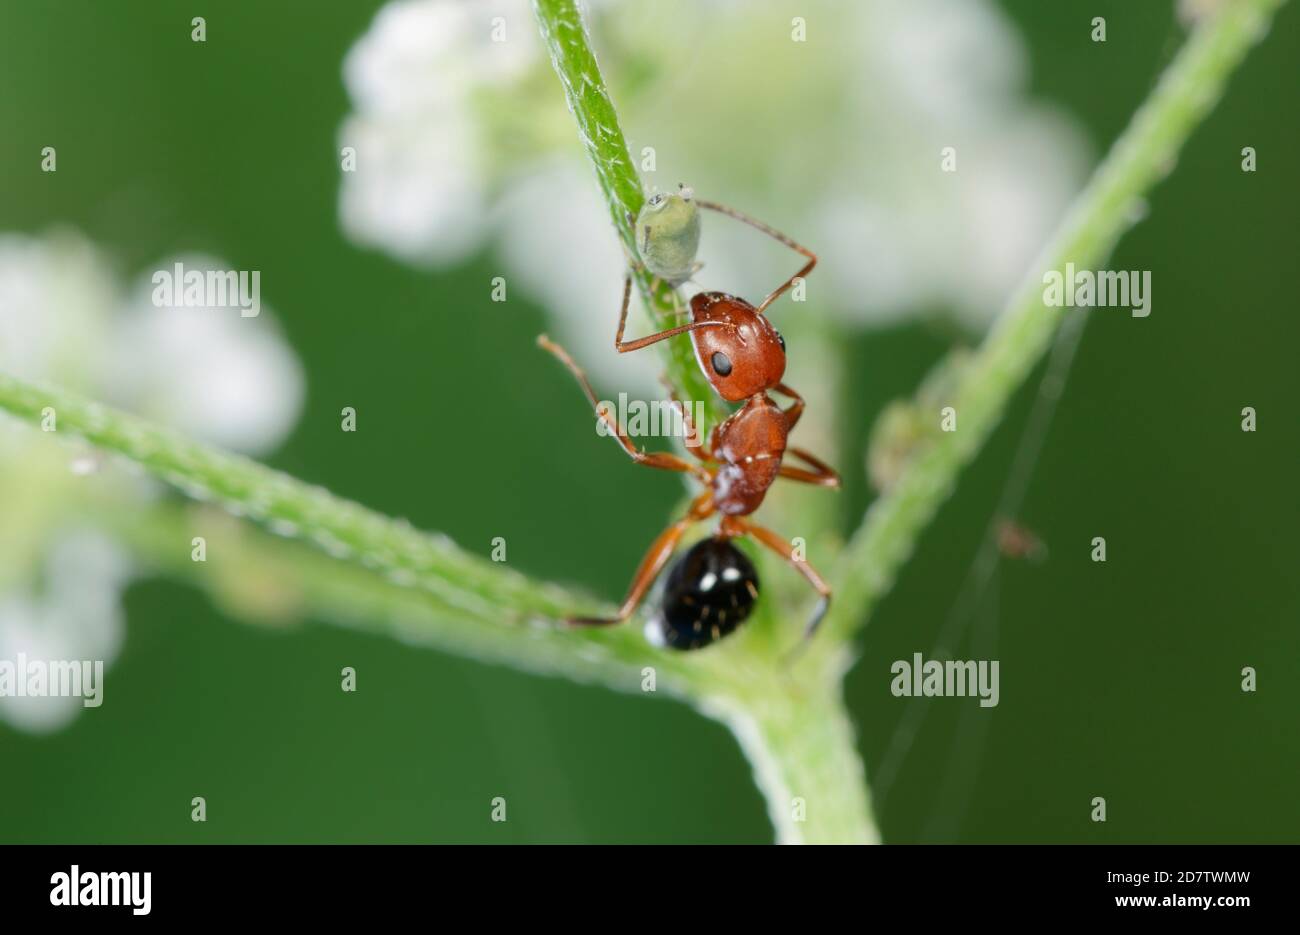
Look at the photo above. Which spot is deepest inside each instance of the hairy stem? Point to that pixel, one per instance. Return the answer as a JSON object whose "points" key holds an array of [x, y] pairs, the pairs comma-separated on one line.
{"points": [[796, 733], [1110, 204], [565, 35], [800, 741], [469, 604]]}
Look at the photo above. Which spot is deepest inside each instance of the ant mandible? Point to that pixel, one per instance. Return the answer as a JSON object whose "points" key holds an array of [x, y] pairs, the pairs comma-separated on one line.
{"points": [[743, 357]]}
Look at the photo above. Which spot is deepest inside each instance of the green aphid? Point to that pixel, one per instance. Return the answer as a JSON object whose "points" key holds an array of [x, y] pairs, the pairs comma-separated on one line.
{"points": [[668, 235]]}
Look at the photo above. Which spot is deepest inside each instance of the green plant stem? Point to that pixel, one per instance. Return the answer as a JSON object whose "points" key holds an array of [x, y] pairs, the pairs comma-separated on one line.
{"points": [[792, 724], [478, 607], [565, 36], [260, 578], [800, 742], [1110, 204]]}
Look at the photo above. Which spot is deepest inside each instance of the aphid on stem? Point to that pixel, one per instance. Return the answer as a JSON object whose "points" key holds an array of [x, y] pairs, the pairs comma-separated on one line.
{"points": [[668, 235]]}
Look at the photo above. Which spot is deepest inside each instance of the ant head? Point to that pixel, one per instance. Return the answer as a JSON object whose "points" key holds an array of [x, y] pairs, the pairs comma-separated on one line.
{"points": [[741, 360], [668, 234]]}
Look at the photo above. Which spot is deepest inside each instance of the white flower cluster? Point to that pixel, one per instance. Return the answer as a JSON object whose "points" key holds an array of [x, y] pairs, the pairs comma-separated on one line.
{"points": [[65, 319], [419, 191], [846, 150]]}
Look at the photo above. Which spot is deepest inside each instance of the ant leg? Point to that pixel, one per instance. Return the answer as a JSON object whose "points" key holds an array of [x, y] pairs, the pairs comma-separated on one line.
{"points": [[693, 443], [656, 459], [656, 283], [734, 525], [660, 551], [771, 232], [624, 347], [822, 474], [796, 408]]}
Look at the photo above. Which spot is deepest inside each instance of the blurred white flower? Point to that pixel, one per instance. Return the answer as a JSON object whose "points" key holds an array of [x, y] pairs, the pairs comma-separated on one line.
{"points": [[889, 83], [207, 371], [65, 319], [56, 299], [76, 615], [952, 74], [576, 270], [419, 191], [214, 375], [416, 195]]}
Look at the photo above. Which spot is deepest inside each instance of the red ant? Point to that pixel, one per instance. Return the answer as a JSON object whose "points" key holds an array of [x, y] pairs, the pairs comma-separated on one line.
{"points": [[743, 356]]}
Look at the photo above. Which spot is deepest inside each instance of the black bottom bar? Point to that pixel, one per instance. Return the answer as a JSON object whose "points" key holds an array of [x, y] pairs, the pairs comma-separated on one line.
{"points": [[208, 883]]}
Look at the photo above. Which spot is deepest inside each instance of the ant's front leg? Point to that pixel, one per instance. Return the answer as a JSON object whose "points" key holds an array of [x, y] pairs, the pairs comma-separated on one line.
{"points": [[771, 232], [660, 551], [624, 347], [656, 459], [735, 526]]}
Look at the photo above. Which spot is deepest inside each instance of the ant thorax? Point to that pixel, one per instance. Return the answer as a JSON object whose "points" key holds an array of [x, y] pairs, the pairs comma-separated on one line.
{"points": [[750, 443]]}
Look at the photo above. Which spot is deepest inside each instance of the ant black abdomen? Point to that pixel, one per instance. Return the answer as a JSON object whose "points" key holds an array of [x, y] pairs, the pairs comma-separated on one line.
{"points": [[709, 592]]}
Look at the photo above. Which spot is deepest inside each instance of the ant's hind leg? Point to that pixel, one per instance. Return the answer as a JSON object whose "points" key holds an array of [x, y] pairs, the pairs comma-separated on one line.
{"points": [[656, 459], [654, 561], [735, 526]]}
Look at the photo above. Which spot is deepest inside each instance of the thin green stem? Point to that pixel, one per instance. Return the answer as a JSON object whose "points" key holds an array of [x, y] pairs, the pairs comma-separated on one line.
{"points": [[565, 35], [800, 741], [256, 576], [791, 723], [469, 604], [1110, 204]]}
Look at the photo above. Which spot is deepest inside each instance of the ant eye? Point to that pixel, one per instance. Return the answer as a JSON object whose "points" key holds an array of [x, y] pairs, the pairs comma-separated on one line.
{"points": [[721, 364], [781, 339]]}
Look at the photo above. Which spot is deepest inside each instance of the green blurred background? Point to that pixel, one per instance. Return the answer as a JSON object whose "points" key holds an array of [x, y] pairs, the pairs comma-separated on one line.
{"points": [[1119, 680]]}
